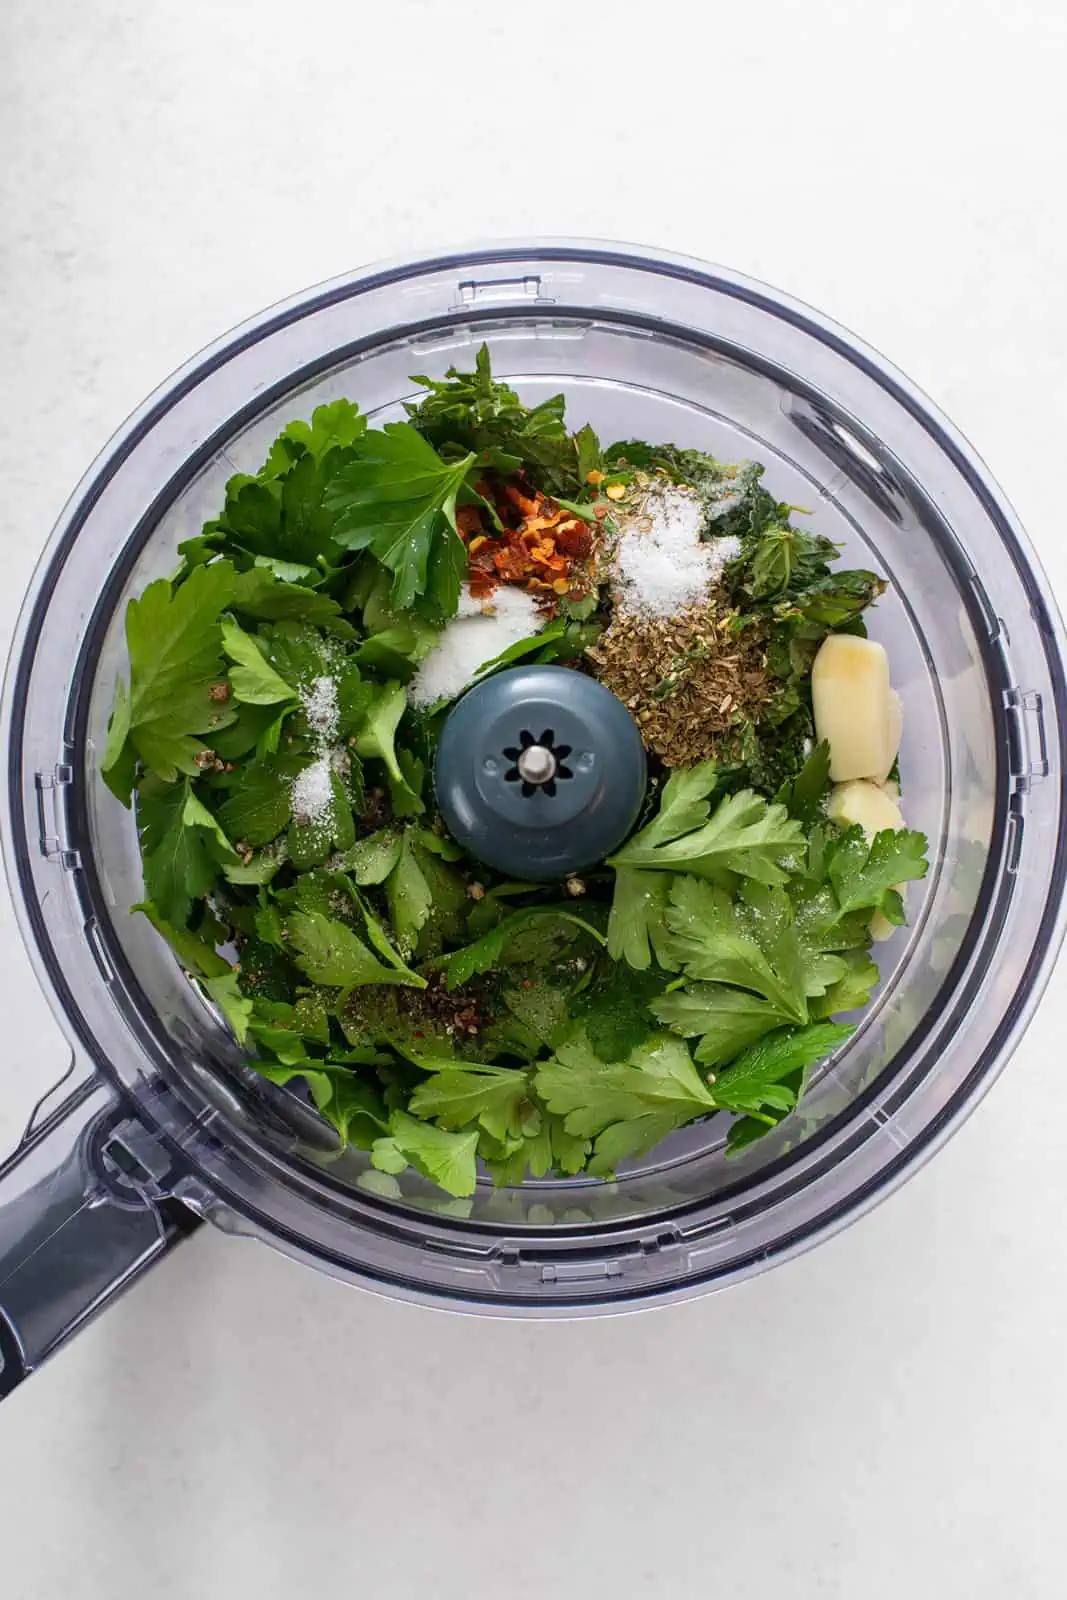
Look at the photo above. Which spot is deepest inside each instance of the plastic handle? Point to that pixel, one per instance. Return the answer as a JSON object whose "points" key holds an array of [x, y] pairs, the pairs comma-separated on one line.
{"points": [[71, 1235]]}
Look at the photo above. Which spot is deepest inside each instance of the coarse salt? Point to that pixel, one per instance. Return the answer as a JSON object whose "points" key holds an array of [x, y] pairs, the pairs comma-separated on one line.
{"points": [[320, 708], [312, 791], [480, 630], [661, 562]]}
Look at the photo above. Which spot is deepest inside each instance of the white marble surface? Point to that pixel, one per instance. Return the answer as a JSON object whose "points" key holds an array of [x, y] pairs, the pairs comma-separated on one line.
{"points": [[883, 1417]]}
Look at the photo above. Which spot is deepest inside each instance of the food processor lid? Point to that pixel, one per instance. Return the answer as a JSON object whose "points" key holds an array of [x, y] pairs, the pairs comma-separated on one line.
{"points": [[540, 772], [653, 335]]}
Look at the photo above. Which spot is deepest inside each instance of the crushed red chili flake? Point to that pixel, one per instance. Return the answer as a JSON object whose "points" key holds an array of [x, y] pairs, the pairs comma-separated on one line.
{"points": [[469, 520], [539, 545]]}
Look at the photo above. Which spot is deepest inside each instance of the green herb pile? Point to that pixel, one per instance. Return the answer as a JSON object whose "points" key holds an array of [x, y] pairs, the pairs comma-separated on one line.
{"points": [[438, 1015]]}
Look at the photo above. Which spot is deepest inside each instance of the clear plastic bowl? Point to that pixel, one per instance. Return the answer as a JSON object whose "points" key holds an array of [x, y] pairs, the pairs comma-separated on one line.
{"points": [[648, 346]]}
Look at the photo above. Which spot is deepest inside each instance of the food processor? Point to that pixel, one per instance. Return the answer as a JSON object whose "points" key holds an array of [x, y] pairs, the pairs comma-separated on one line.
{"points": [[159, 1122]]}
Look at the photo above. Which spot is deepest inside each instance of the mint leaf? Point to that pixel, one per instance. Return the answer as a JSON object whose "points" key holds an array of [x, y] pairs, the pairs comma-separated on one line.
{"points": [[398, 499], [729, 1019], [745, 835], [587, 446], [757, 1079], [863, 873], [253, 680], [331, 954], [784, 556], [182, 846], [174, 643]]}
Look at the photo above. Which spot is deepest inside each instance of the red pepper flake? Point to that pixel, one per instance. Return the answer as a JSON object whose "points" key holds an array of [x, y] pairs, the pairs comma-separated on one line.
{"points": [[469, 521], [539, 545]]}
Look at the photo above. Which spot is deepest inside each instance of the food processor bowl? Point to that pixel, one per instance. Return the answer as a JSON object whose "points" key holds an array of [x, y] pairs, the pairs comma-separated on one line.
{"points": [[161, 1118]]}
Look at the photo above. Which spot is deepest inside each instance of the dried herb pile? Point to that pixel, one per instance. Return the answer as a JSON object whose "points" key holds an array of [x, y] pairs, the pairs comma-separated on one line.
{"points": [[688, 680]]}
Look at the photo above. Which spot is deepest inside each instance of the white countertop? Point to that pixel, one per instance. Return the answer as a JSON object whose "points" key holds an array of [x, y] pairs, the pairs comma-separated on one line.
{"points": [[883, 1417]]}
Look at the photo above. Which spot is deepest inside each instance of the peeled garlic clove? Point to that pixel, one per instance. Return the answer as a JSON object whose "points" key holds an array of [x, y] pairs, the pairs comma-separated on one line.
{"points": [[850, 699], [895, 728], [863, 804]]}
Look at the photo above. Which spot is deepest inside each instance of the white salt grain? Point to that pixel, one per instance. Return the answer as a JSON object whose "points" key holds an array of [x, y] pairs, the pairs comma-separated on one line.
{"points": [[480, 630], [312, 791], [662, 564], [320, 708]]}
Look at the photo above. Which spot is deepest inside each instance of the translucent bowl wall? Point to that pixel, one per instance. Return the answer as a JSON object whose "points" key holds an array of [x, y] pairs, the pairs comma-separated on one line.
{"points": [[645, 347]]}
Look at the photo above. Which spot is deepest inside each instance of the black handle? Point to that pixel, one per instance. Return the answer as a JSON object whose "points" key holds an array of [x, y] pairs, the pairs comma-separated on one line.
{"points": [[76, 1226]]}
